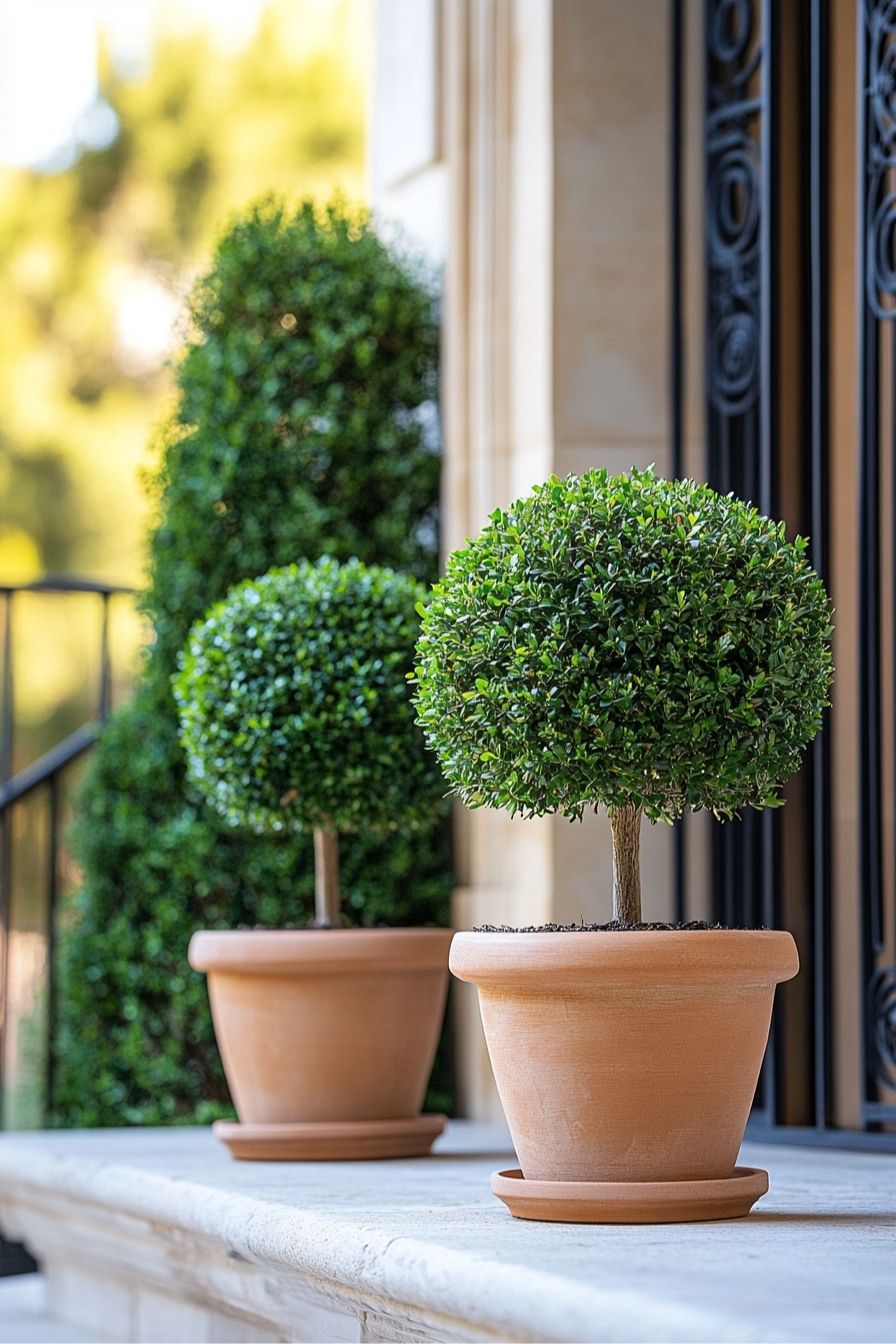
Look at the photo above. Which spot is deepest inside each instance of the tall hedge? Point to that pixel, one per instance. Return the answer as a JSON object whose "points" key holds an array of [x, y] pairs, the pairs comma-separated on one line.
{"points": [[304, 425]]}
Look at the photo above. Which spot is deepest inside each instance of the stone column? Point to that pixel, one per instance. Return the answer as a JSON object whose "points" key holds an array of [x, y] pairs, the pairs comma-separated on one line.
{"points": [[555, 139]]}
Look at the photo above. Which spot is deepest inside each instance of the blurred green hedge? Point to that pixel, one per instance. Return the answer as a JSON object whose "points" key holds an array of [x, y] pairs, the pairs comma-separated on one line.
{"points": [[305, 424]]}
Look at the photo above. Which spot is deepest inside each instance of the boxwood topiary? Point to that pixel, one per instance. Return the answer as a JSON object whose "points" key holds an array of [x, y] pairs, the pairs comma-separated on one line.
{"points": [[295, 708], [646, 645], [304, 425]]}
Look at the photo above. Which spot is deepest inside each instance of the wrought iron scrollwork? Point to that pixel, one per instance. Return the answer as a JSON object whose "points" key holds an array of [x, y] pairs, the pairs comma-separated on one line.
{"points": [[880, 161], [877, 495], [733, 205], [882, 1025]]}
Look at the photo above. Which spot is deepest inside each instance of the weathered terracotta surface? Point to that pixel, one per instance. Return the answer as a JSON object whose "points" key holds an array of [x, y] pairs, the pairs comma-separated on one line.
{"points": [[626, 1056], [631, 1201], [325, 1024]]}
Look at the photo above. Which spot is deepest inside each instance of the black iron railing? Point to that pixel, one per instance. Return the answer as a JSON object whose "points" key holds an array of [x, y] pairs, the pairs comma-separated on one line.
{"points": [[44, 775]]}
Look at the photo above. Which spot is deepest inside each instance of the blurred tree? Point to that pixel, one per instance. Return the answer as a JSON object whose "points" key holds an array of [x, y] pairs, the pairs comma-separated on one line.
{"points": [[94, 260]]}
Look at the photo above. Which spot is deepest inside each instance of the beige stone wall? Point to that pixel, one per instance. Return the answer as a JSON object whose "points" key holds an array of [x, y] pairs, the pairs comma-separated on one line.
{"points": [[551, 156], [406, 168]]}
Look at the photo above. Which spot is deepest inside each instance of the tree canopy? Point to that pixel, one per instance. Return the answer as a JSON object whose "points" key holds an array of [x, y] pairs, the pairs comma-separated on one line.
{"points": [[626, 641], [294, 702]]}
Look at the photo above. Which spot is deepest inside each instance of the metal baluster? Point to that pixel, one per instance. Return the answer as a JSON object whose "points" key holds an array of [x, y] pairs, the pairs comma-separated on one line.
{"points": [[818, 504], [105, 697], [52, 914], [869, 310], [676, 333], [6, 759]]}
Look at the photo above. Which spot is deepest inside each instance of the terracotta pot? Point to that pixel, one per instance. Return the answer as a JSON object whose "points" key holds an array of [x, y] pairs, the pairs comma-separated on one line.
{"points": [[325, 1024], [626, 1056]]}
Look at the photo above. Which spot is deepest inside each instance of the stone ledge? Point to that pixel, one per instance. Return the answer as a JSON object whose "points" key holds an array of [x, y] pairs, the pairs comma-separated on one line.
{"points": [[158, 1235]]}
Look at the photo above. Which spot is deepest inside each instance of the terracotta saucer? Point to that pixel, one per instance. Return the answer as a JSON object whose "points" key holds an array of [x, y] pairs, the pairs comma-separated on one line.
{"points": [[331, 1140], [631, 1201]]}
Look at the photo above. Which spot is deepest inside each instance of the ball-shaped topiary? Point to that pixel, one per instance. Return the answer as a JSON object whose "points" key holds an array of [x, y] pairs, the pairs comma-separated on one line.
{"points": [[648, 645], [295, 709]]}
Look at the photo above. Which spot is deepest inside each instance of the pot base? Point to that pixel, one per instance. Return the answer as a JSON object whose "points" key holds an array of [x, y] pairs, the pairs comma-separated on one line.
{"points": [[631, 1201], [331, 1140]]}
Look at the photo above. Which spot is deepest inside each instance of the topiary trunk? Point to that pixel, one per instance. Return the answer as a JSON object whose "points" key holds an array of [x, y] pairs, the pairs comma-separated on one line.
{"points": [[625, 823], [326, 878]]}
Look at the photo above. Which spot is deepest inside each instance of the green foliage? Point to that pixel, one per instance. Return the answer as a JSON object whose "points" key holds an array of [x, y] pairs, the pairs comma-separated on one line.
{"points": [[294, 702], [315, 349], [624, 640], [135, 1044], [136, 1041]]}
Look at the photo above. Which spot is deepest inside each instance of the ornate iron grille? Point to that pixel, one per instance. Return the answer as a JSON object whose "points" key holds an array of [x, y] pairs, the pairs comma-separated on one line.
{"points": [[877, 449], [737, 203], [768, 159]]}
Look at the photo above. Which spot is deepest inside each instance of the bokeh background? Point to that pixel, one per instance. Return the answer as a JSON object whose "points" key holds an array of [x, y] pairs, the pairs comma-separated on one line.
{"points": [[129, 134]]}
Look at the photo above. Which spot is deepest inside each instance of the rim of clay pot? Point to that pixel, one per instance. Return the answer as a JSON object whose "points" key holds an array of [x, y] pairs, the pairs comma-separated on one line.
{"points": [[647, 957], [268, 951]]}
